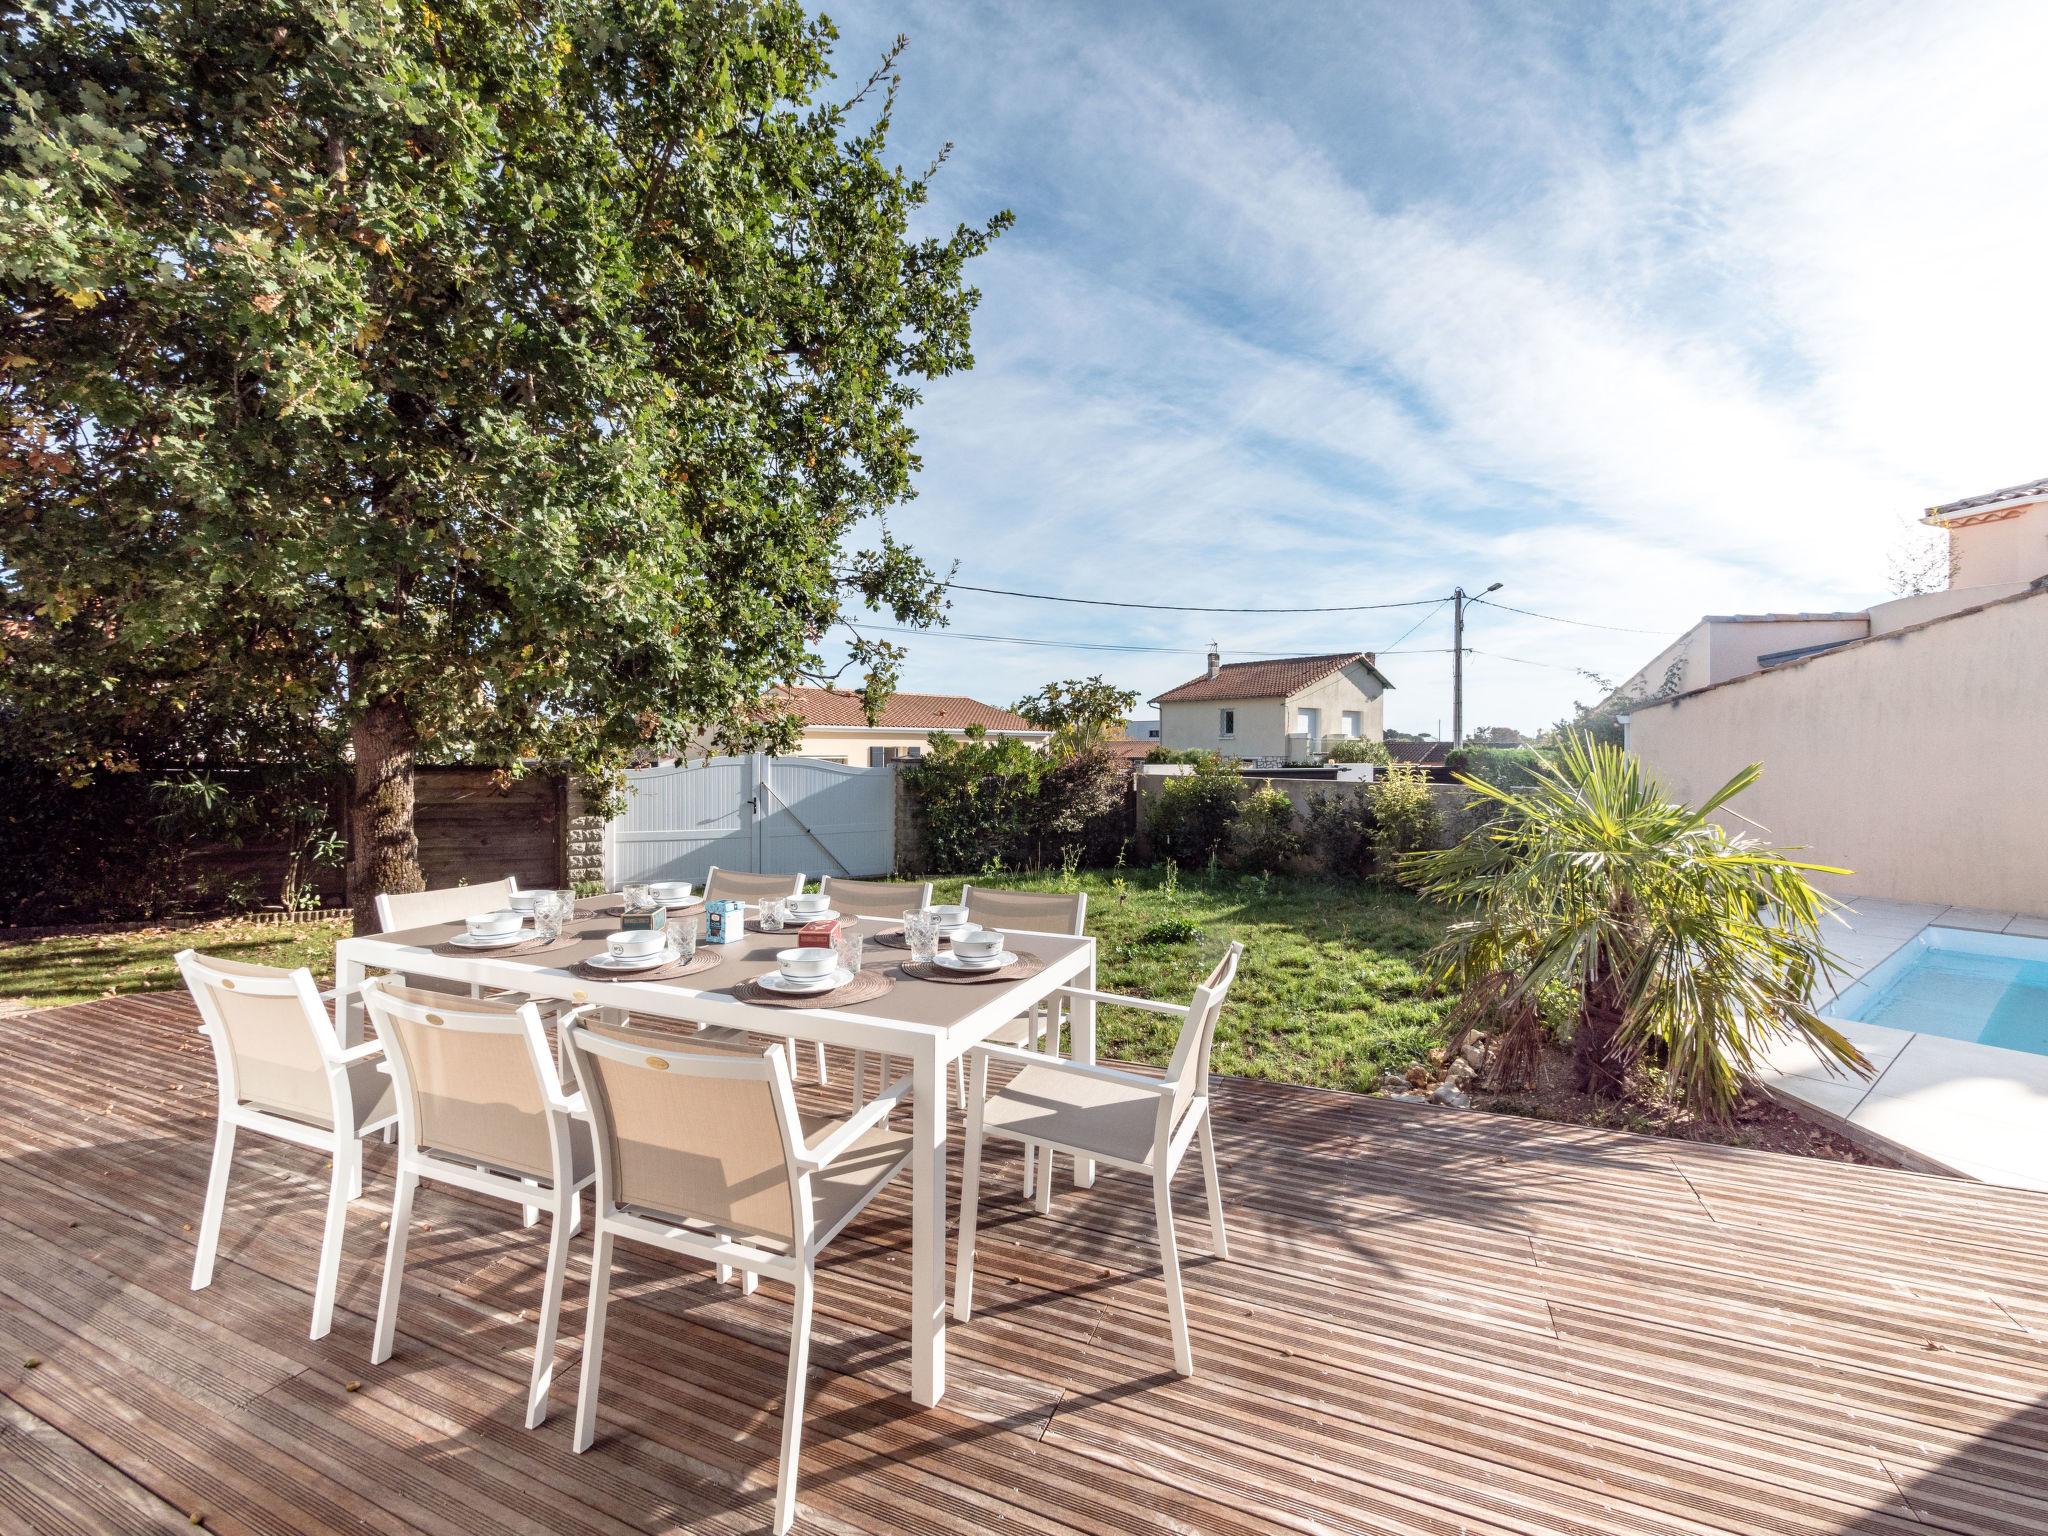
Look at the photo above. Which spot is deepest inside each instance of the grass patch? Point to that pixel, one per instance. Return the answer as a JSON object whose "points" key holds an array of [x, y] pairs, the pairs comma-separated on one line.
{"points": [[1330, 992], [81, 967]]}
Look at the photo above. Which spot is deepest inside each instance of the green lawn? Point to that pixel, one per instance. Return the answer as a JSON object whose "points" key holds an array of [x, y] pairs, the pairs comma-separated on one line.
{"points": [[1329, 993], [76, 968]]}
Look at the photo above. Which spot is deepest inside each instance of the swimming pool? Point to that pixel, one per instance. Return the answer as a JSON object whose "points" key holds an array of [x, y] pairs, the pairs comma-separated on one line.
{"points": [[1988, 987]]}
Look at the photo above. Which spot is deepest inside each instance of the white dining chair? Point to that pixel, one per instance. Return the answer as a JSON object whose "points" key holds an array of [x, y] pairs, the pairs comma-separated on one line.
{"points": [[701, 1151], [400, 910], [282, 1072], [1040, 1029], [740, 885], [480, 1108], [885, 900], [1116, 1117]]}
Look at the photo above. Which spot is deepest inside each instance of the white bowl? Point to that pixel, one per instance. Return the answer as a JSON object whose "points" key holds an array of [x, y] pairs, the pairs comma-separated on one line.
{"points": [[978, 944], [949, 916], [806, 904], [806, 964], [672, 893], [529, 901], [485, 925], [634, 943]]}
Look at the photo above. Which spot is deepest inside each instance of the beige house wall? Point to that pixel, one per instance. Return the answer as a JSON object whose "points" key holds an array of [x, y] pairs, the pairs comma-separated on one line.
{"points": [[1913, 760], [2010, 549], [838, 744], [1263, 725], [1735, 648], [1902, 611]]}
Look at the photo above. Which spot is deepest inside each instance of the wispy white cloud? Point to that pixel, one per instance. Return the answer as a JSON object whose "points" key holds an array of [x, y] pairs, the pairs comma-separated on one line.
{"points": [[1647, 316]]}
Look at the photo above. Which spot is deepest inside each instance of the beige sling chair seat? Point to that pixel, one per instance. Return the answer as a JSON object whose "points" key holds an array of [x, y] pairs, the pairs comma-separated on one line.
{"points": [[480, 1108], [701, 1151], [281, 1072], [1117, 1117], [880, 899]]}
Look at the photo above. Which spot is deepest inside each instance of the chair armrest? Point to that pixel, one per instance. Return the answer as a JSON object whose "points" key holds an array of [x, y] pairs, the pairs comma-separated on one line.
{"points": [[863, 1120], [1178, 1010], [337, 990], [575, 1015], [1022, 1058], [369, 1050], [573, 1104]]}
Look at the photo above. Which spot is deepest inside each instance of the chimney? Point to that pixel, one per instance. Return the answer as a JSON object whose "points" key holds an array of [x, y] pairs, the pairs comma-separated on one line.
{"points": [[1215, 659]]}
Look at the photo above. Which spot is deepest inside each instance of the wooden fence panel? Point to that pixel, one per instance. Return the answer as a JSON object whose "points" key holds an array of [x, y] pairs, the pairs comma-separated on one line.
{"points": [[475, 827]]}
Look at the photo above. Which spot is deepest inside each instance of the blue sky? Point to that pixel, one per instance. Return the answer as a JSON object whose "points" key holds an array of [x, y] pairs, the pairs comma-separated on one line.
{"points": [[1645, 310]]}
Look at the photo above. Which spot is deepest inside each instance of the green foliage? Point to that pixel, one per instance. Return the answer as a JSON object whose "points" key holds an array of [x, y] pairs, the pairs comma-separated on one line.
{"points": [[1681, 941], [1189, 756], [1080, 712], [1404, 817], [493, 380], [1355, 749], [992, 802], [1502, 767], [1266, 837], [1337, 833], [1171, 930], [1195, 815]]}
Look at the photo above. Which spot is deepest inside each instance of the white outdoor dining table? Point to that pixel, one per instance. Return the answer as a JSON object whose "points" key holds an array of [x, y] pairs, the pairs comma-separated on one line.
{"points": [[925, 1023]]}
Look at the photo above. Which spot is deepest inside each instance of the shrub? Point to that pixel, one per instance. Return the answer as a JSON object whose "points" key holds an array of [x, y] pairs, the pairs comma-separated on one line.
{"points": [[1338, 832], [1502, 767], [1351, 749], [1171, 930], [1266, 838], [983, 801], [1186, 756], [1196, 813], [1404, 817]]}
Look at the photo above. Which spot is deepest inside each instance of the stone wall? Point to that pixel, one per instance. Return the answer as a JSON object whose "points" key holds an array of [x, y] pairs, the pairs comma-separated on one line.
{"points": [[585, 833]]}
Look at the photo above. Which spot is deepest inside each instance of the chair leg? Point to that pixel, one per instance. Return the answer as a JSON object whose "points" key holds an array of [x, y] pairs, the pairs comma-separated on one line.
{"points": [[394, 1266], [576, 1210], [823, 1075], [1169, 1261], [559, 1232], [960, 1080], [859, 1096], [355, 1168], [1030, 1168], [216, 1204], [970, 1199], [750, 1281], [793, 1404], [529, 1215], [789, 1050], [330, 1247], [1219, 1240], [593, 1338]]}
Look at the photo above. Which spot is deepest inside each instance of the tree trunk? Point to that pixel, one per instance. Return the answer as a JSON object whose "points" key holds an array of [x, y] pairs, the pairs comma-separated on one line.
{"points": [[384, 851], [1599, 1060]]}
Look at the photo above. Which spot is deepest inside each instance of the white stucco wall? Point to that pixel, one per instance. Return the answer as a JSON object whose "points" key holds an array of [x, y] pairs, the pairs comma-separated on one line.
{"points": [[1915, 759], [2011, 549]]}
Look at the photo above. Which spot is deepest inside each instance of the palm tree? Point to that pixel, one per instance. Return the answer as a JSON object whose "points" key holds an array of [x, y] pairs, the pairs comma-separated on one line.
{"points": [[1679, 938]]}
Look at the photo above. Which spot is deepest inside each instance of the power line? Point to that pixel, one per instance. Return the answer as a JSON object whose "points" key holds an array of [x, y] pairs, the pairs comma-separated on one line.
{"points": [[1526, 662], [1439, 608], [1105, 602], [1621, 629], [1095, 645]]}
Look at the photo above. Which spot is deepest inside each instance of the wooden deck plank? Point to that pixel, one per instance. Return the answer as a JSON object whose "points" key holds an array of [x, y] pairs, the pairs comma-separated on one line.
{"points": [[1432, 1322]]}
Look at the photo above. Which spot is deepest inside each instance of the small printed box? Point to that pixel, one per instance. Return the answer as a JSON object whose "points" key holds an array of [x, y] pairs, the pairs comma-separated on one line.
{"points": [[819, 935], [651, 917], [724, 921]]}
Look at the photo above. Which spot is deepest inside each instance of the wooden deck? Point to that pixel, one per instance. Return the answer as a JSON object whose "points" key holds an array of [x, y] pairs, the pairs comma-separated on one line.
{"points": [[1434, 1322]]}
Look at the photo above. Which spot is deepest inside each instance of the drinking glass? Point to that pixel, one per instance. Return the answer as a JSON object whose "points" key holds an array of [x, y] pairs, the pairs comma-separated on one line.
{"points": [[638, 898], [551, 912], [682, 938], [849, 947], [772, 914], [921, 933]]}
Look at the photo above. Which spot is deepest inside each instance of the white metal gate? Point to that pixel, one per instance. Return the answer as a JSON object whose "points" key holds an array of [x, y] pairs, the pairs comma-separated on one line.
{"points": [[772, 814]]}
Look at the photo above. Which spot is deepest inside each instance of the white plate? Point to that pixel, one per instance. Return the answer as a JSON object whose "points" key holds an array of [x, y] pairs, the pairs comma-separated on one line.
{"points": [[800, 918], [490, 940], [953, 962], [605, 960], [775, 981]]}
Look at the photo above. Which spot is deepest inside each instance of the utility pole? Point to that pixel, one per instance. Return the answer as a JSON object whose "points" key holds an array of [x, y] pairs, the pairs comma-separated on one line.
{"points": [[1458, 601]]}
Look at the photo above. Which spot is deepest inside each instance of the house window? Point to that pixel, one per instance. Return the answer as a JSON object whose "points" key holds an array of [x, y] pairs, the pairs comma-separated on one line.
{"points": [[877, 756], [1354, 724], [1226, 723], [1308, 722]]}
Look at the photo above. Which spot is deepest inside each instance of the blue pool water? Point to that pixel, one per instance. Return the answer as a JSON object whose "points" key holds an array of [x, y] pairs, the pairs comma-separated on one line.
{"points": [[1988, 987]]}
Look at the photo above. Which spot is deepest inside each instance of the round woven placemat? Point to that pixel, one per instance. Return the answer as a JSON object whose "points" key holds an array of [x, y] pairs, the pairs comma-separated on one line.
{"points": [[1016, 970], [865, 987], [689, 909], [532, 946], [675, 970]]}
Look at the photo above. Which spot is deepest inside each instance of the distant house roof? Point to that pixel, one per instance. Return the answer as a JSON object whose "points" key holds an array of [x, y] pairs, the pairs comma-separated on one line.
{"points": [[839, 707], [1971, 508], [1780, 618], [1275, 679], [1429, 754]]}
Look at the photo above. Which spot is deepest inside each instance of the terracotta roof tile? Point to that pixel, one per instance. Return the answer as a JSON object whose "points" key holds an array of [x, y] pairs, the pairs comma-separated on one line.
{"points": [[2032, 488], [903, 712], [1274, 679]]}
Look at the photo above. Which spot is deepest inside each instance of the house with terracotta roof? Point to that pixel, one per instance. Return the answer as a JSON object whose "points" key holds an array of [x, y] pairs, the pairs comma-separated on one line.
{"points": [[837, 729], [1277, 710]]}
